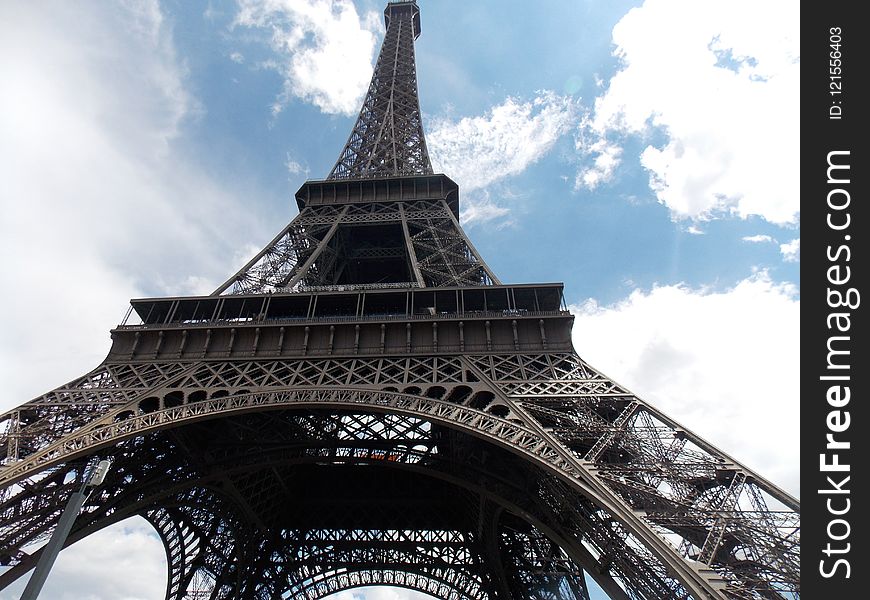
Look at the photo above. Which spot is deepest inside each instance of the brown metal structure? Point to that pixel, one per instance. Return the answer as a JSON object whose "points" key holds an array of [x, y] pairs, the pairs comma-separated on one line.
{"points": [[365, 403]]}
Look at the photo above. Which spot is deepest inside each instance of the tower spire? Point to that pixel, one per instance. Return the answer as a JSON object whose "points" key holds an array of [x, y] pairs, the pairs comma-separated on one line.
{"points": [[387, 139]]}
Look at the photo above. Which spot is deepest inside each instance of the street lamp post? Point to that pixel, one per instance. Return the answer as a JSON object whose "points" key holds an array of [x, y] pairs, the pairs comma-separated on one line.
{"points": [[64, 525]]}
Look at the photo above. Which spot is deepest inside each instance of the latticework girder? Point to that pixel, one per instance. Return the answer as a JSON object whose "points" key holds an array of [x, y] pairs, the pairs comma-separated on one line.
{"points": [[321, 246], [387, 139], [612, 456]]}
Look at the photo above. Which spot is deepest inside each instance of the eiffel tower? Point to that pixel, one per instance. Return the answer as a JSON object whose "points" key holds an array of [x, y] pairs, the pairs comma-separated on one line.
{"points": [[365, 403]]}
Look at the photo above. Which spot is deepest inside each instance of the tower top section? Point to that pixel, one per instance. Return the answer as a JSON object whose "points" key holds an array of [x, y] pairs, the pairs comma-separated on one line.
{"points": [[387, 139], [399, 7]]}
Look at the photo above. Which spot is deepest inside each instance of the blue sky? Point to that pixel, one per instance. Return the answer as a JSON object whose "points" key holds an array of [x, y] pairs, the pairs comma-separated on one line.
{"points": [[644, 153]]}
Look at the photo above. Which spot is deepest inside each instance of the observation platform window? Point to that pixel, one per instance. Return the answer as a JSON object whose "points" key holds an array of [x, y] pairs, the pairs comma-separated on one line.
{"points": [[289, 307], [496, 299], [549, 298], [198, 311], [424, 303], [241, 309], [344, 305], [386, 304], [153, 312], [525, 299], [474, 300], [446, 302]]}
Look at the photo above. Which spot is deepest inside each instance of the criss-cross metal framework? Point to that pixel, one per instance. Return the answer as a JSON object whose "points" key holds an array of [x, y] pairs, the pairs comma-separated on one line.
{"points": [[391, 232], [364, 403], [388, 139]]}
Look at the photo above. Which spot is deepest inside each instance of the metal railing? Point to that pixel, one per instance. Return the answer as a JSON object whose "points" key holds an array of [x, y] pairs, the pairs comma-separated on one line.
{"points": [[255, 321]]}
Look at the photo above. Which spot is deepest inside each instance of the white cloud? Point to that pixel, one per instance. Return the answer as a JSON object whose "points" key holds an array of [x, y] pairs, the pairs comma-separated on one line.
{"points": [[758, 239], [294, 167], [478, 151], [724, 364], [607, 156], [132, 549], [474, 212], [237, 57], [482, 150], [479, 207], [96, 198], [721, 79], [326, 50], [791, 251]]}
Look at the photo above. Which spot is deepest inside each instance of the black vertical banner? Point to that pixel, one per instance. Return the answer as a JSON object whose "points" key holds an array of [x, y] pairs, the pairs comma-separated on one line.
{"points": [[835, 372]]}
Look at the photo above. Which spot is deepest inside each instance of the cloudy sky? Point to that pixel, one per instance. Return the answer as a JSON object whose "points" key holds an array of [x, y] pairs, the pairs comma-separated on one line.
{"points": [[643, 152]]}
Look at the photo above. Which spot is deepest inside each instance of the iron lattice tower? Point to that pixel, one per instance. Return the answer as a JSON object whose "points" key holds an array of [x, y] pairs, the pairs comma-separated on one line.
{"points": [[365, 403]]}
